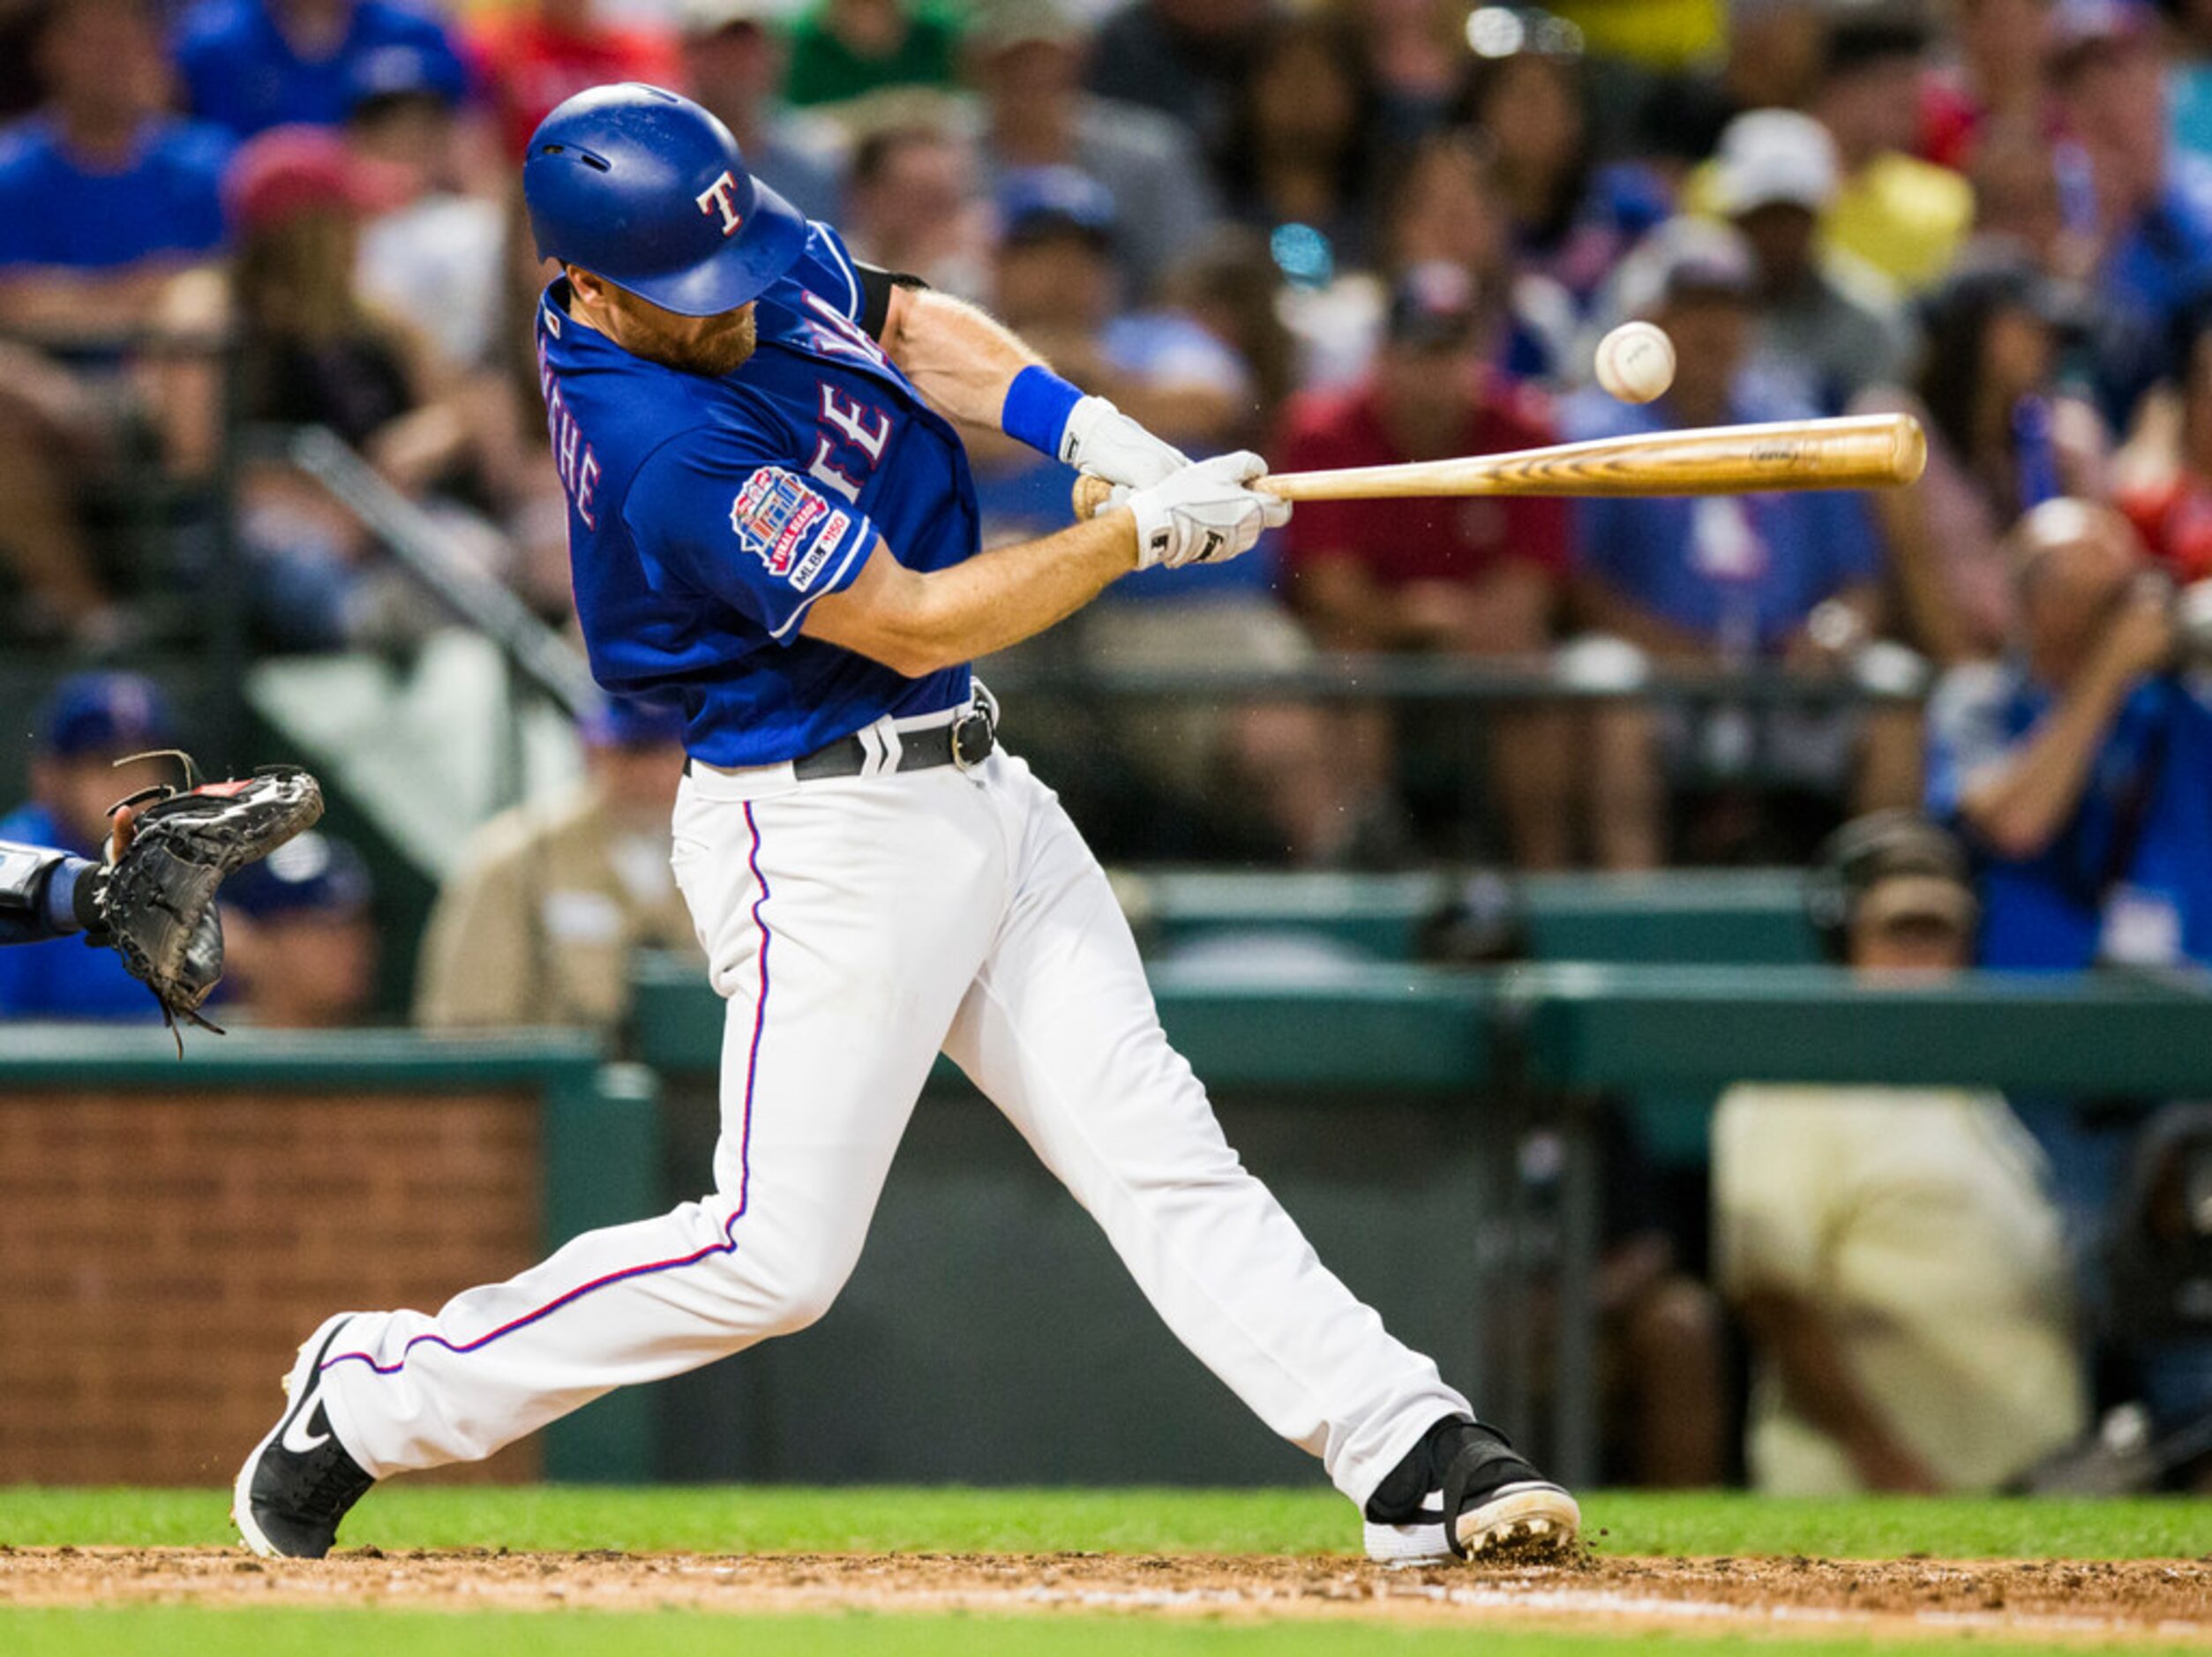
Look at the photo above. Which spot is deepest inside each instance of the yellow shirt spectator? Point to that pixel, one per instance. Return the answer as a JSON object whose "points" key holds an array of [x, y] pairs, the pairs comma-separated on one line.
{"points": [[1658, 34], [1913, 1221], [1900, 217], [1903, 216]]}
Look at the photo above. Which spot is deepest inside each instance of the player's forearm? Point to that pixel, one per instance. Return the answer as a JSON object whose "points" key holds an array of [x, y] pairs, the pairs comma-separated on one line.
{"points": [[2019, 803], [918, 623], [44, 894], [1799, 1341], [960, 358]]}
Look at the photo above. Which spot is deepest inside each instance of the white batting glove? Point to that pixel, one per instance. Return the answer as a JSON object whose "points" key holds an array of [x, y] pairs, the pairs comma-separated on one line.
{"points": [[1204, 513], [1100, 440]]}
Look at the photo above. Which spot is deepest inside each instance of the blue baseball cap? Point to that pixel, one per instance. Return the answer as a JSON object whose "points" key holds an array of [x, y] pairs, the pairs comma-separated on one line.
{"points": [[1034, 202], [105, 713], [311, 873], [402, 70], [633, 721]]}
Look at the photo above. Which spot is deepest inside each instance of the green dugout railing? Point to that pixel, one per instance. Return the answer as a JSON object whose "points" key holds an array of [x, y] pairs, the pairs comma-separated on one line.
{"points": [[1534, 1045], [599, 1135], [1753, 916]]}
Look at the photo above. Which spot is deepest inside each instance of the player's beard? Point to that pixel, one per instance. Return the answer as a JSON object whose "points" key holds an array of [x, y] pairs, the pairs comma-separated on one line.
{"points": [[714, 351]]}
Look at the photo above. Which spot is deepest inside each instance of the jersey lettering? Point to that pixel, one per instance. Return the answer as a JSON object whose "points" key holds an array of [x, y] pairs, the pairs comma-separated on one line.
{"points": [[868, 427], [572, 456], [721, 197], [824, 470]]}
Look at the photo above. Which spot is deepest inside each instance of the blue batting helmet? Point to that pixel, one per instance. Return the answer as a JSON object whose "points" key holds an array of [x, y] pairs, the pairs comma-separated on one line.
{"points": [[649, 191]]}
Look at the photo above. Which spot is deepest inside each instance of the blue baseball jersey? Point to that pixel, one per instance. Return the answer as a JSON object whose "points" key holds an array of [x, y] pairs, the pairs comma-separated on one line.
{"points": [[707, 516], [56, 212]]}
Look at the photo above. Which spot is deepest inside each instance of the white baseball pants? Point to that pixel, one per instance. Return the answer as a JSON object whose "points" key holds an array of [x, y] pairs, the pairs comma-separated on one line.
{"points": [[855, 927]]}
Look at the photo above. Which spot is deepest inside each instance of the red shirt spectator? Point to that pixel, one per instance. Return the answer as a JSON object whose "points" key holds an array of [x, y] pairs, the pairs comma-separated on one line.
{"points": [[530, 60], [1401, 541], [1467, 578], [2173, 515]]}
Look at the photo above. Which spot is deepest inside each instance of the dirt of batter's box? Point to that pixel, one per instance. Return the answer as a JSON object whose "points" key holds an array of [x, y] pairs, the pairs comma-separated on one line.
{"points": [[2166, 1600]]}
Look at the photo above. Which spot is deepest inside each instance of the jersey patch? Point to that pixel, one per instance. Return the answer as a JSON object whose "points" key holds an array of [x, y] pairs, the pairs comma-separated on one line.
{"points": [[787, 526]]}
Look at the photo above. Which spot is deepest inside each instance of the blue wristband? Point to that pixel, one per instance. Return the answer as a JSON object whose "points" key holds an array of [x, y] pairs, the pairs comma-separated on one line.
{"points": [[1038, 404], [60, 902]]}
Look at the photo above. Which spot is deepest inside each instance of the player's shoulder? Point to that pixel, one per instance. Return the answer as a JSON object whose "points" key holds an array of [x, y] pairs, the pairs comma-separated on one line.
{"points": [[696, 463]]}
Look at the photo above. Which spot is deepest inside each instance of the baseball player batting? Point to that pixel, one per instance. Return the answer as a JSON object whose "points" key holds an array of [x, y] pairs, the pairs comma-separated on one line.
{"points": [[771, 519]]}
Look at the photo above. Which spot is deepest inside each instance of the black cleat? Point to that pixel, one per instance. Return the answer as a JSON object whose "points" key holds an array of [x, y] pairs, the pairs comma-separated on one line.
{"points": [[299, 1482], [1464, 1493]]}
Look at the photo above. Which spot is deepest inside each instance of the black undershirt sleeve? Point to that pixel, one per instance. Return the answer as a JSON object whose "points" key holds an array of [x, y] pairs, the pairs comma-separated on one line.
{"points": [[875, 295]]}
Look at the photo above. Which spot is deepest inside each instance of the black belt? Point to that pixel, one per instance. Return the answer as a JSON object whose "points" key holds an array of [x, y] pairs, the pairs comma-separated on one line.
{"points": [[967, 742]]}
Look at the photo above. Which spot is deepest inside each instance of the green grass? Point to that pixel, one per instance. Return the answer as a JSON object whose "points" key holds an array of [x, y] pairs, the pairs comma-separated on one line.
{"points": [[160, 1631], [737, 1519]]}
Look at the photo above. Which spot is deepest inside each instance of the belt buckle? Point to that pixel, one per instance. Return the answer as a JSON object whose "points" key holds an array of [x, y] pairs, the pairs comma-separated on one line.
{"points": [[975, 732]]}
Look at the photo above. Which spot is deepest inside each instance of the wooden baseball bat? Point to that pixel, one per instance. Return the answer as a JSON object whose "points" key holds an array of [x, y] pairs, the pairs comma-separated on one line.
{"points": [[1855, 452]]}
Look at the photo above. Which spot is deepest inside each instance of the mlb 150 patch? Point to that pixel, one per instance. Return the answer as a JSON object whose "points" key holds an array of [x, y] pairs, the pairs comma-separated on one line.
{"points": [[787, 525]]}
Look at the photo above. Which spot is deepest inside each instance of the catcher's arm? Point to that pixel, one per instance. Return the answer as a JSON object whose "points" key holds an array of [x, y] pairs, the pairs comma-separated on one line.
{"points": [[45, 892]]}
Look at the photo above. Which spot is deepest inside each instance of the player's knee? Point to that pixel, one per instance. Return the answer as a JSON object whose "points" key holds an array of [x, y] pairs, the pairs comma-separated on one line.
{"points": [[805, 1295]]}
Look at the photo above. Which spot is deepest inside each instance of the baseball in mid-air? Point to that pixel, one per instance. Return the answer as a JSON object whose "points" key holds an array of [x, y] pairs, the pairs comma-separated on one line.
{"points": [[1636, 362]]}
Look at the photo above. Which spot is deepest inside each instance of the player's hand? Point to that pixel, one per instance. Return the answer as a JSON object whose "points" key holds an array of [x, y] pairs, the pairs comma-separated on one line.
{"points": [[1204, 513], [1103, 441]]}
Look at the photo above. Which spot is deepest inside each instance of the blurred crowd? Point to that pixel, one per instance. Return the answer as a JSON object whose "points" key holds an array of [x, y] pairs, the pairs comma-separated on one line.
{"points": [[1344, 232]]}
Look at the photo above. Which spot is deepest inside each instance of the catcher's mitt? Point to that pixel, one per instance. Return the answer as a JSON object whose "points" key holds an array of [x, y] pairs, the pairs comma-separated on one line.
{"points": [[157, 905]]}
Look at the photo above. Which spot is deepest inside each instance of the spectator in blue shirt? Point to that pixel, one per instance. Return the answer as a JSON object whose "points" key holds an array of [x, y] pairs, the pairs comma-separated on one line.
{"points": [[2081, 768], [2079, 771], [1730, 579], [90, 722], [103, 197], [2147, 207], [251, 64]]}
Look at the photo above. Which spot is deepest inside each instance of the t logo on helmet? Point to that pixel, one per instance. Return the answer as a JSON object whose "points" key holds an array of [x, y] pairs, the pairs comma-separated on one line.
{"points": [[720, 197]]}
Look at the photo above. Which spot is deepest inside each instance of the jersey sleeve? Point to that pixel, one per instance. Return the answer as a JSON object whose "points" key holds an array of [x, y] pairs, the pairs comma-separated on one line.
{"points": [[731, 521]]}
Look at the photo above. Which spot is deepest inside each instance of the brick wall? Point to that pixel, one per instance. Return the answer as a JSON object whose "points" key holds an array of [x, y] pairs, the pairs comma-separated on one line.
{"points": [[162, 1255]]}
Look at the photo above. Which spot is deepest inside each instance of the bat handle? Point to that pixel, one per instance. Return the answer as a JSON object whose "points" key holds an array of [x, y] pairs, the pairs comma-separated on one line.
{"points": [[1090, 497]]}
